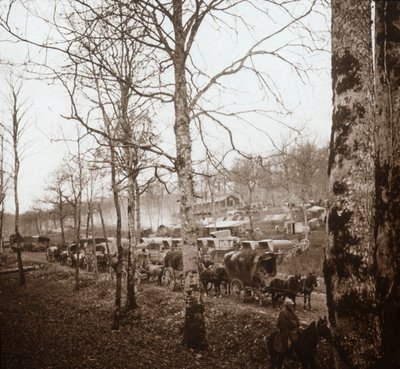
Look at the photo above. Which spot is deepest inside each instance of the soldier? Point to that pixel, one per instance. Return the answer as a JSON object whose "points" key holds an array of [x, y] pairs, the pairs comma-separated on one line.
{"points": [[288, 324], [143, 258]]}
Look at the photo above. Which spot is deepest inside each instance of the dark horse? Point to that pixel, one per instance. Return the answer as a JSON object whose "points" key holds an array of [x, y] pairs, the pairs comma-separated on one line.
{"points": [[307, 286], [281, 288], [216, 276], [304, 348]]}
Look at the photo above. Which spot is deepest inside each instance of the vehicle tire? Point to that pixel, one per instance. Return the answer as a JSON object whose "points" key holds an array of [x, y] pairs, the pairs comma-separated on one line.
{"points": [[167, 279], [238, 291]]}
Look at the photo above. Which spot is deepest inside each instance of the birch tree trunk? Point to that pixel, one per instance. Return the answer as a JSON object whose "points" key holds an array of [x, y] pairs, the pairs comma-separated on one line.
{"points": [[62, 222], [96, 272], [131, 302], [16, 120], [118, 290], [387, 175], [78, 211], [194, 335], [103, 226], [348, 268], [87, 220]]}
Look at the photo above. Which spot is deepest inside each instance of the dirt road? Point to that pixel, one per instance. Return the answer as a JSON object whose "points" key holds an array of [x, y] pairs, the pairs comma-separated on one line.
{"points": [[38, 257], [49, 325]]}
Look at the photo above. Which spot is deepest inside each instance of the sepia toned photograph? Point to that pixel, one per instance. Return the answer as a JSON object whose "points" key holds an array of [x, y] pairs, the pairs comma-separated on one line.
{"points": [[199, 184]]}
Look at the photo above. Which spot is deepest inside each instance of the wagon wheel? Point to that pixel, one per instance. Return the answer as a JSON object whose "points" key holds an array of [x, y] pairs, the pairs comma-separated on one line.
{"points": [[152, 277], [168, 279], [181, 281], [304, 244], [237, 290]]}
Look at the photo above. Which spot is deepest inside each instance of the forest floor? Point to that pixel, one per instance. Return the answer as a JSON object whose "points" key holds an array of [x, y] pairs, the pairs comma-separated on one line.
{"points": [[49, 325]]}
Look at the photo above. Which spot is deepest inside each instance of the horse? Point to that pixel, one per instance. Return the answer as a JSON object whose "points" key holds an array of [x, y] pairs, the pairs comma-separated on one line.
{"points": [[154, 273], [304, 348], [281, 288], [52, 253], [214, 275], [307, 286]]}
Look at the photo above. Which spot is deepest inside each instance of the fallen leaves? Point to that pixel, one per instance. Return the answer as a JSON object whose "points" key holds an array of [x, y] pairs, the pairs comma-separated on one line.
{"points": [[48, 325]]}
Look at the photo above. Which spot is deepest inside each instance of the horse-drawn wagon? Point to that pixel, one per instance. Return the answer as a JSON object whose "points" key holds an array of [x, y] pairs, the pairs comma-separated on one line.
{"points": [[53, 253], [250, 273], [172, 274]]}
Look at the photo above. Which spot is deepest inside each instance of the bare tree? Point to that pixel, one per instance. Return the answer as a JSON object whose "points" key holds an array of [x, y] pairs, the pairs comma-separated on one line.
{"points": [[125, 129], [245, 175], [75, 182], [210, 176], [16, 130], [56, 198], [171, 29], [93, 177]]}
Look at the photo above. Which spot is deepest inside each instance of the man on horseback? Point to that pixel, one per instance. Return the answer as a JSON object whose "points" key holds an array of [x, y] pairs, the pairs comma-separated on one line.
{"points": [[288, 324]]}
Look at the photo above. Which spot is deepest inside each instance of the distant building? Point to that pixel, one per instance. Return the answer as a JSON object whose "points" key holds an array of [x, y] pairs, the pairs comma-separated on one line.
{"points": [[220, 205]]}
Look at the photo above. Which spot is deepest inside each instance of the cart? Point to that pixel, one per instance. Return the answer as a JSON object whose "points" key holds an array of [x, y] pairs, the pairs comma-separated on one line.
{"points": [[250, 273], [172, 274]]}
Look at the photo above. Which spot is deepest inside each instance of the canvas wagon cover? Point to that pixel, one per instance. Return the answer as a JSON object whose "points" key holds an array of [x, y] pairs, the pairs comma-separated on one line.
{"points": [[249, 266], [173, 259]]}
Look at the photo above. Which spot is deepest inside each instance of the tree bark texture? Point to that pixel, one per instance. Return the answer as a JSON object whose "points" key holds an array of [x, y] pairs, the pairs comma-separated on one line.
{"points": [[77, 227], [348, 268], [15, 140], [103, 226], [78, 213], [387, 175], [131, 302], [118, 234], [60, 202], [96, 271], [194, 328]]}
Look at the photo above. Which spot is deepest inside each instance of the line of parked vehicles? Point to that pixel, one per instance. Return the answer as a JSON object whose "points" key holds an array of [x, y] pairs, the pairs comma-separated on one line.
{"points": [[28, 243], [245, 266]]}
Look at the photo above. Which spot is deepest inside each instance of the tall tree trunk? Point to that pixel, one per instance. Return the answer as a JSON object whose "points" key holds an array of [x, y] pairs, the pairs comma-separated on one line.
{"points": [[137, 218], [77, 228], [96, 272], [115, 191], [62, 216], [387, 176], [118, 290], [194, 335], [62, 230], [87, 221], [78, 214], [15, 138], [103, 226], [348, 268], [131, 302]]}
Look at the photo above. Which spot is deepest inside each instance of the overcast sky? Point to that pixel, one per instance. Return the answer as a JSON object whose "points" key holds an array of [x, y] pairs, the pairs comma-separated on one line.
{"points": [[46, 103]]}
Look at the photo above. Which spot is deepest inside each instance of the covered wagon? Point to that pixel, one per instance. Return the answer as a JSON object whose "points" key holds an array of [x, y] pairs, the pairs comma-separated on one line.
{"points": [[172, 275], [250, 273]]}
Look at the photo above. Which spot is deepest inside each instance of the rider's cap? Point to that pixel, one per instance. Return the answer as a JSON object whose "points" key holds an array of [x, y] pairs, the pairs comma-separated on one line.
{"points": [[289, 302]]}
